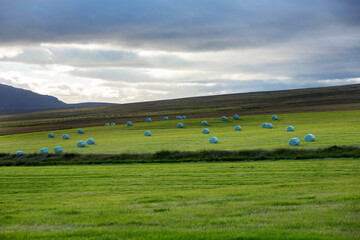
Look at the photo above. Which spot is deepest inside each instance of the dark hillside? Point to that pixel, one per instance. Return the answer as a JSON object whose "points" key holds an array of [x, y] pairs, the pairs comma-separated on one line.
{"points": [[16, 98]]}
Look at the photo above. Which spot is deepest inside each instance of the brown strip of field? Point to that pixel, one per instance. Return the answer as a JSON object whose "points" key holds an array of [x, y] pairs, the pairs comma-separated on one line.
{"points": [[274, 102]]}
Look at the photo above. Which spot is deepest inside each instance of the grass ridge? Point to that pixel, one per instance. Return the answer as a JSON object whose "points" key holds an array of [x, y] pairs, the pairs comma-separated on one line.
{"points": [[166, 156]]}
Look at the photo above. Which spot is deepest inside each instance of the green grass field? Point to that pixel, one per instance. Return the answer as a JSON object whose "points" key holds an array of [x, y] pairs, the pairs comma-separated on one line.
{"points": [[329, 128], [303, 199]]}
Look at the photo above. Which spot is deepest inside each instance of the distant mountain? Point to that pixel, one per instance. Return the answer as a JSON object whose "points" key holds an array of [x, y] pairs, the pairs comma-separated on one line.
{"points": [[16, 100]]}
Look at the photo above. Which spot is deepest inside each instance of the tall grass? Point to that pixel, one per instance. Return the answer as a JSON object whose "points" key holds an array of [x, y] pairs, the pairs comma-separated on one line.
{"points": [[178, 156]]}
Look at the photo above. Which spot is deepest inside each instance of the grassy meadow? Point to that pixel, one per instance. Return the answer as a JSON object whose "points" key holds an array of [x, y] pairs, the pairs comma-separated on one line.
{"points": [[299, 199], [329, 128]]}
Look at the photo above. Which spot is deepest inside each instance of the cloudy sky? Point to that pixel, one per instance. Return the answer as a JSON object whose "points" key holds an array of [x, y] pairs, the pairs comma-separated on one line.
{"points": [[130, 51]]}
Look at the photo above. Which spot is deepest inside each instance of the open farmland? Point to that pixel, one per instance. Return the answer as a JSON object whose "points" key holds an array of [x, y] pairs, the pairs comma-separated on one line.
{"points": [[329, 128], [292, 199], [302, 199], [323, 99]]}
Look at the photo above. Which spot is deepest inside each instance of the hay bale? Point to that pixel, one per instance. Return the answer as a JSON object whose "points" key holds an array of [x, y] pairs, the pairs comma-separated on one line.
{"points": [[223, 118], [148, 120], [51, 135], [147, 134], [274, 117], [290, 129], [65, 136], [58, 149], [236, 117], [107, 124], [238, 128], [180, 125], [80, 131], [112, 124], [81, 144], [183, 117], [178, 117], [309, 138], [166, 118], [204, 123], [21, 152], [90, 141], [129, 124], [213, 140], [44, 151], [205, 131], [267, 125], [294, 142]]}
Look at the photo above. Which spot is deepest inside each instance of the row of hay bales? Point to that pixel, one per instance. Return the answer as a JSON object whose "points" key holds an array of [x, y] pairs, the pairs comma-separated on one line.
{"points": [[59, 149], [181, 125], [148, 120], [293, 141], [81, 144], [223, 118], [296, 141], [110, 124]]}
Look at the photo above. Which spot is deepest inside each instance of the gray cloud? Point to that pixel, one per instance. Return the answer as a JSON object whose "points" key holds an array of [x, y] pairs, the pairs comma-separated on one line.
{"points": [[171, 25], [123, 51]]}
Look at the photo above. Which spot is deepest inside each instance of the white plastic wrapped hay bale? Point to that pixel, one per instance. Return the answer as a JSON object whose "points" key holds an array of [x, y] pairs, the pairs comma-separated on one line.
{"points": [[44, 151], [205, 131], [267, 125], [290, 129], [294, 142], [81, 144], [214, 140], [309, 138], [58, 149], [238, 128]]}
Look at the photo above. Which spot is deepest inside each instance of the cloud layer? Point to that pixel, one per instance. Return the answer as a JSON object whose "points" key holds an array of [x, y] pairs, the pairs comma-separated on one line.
{"points": [[125, 51]]}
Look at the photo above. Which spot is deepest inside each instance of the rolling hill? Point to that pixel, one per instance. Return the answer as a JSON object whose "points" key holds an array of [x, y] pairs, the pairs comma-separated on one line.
{"points": [[286, 101], [16, 100]]}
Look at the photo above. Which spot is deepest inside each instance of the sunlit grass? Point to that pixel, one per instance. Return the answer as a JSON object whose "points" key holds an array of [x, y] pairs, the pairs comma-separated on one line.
{"points": [[329, 128], [303, 199]]}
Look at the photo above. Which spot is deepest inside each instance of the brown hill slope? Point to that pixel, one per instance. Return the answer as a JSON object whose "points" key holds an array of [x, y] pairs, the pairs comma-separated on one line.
{"points": [[273, 102]]}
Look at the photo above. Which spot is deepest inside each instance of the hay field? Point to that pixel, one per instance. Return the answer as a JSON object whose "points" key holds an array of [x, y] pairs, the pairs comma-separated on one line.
{"points": [[329, 128]]}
